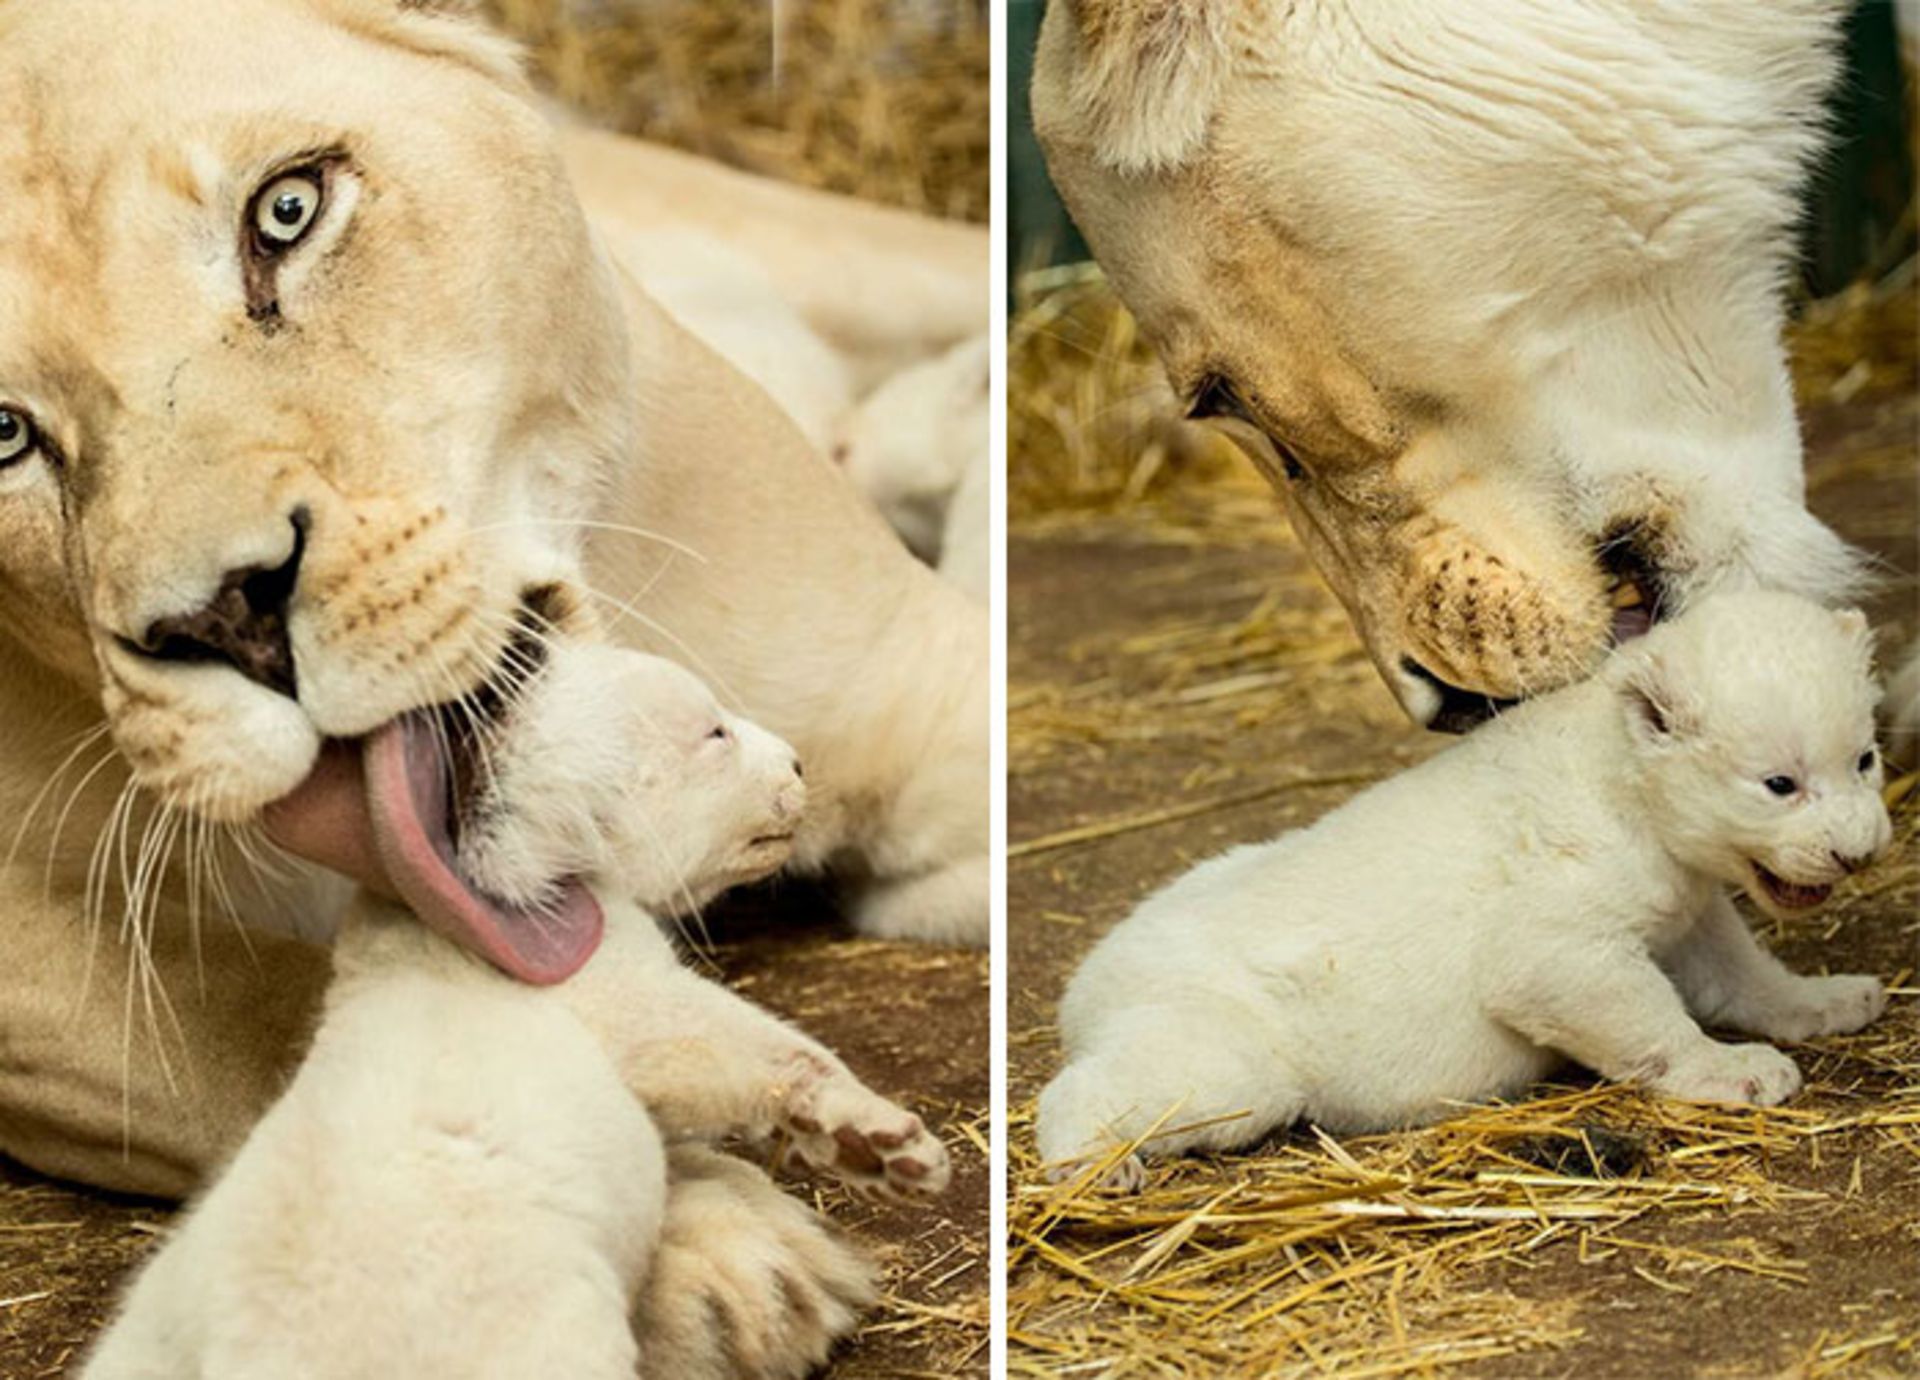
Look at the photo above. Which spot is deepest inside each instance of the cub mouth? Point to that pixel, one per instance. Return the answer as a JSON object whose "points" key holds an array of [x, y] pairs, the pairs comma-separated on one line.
{"points": [[387, 811], [1791, 895]]}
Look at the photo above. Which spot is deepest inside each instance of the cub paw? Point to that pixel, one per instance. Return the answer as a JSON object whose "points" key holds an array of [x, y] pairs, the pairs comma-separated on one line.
{"points": [[1127, 1175], [1748, 1075], [745, 1280], [838, 1126], [1835, 1005]]}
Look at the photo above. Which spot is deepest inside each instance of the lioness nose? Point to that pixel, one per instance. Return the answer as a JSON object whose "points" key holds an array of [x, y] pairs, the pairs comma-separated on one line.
{"points": [[244, 626]]}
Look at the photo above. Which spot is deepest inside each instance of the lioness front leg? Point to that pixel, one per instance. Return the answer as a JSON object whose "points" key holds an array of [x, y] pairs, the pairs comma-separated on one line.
{"points": [[709, 1064], [1611, 1008], [1729, 978], [101, 1090]]}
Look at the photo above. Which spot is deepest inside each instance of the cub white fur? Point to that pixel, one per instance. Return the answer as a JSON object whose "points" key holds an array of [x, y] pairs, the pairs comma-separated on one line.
{"points": [[919, 447], [625, 766], [1555, 886], [467, 1175], [1902, 711]]}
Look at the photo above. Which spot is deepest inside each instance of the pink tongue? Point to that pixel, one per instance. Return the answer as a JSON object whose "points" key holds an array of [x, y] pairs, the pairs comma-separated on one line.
{"points": [[378, 811]]}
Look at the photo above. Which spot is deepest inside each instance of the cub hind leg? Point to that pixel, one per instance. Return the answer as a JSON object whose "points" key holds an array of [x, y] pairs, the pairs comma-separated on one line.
{"points": [[1140, 1078]]}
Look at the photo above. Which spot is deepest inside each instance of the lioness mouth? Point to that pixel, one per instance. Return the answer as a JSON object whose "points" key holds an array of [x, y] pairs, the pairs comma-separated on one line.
{"points": [[1791, 895], [1634, 586], [1461, 711], [386, 810]]}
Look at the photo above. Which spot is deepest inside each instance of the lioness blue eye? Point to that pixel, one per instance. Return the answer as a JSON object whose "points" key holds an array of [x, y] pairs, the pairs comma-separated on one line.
{"points": [[1866, 760], [1781, 785], [16, 436]]}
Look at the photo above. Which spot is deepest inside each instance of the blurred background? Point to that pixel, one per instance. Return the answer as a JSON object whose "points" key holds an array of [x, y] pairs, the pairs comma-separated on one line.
{"points": [[882, 99]]}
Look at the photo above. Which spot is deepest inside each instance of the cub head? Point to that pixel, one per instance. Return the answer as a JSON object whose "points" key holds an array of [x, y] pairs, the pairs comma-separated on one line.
{"points": [[711, 800], [624, 765], [1487, 299], [1752, 725], [907, 445], [308, 366]]}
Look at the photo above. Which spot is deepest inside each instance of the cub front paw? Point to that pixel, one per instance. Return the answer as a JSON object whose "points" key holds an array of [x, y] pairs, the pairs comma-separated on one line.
{"points": [[838, 1126], [1748, 1075], [1817, 1006]]}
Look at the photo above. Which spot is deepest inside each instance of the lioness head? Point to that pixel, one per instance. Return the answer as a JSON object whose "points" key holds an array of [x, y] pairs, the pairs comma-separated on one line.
{"points": [[1490, 297], [306, 366], [1752, 719]]}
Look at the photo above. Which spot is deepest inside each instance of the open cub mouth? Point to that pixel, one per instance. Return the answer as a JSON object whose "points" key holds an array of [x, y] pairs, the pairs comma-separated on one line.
{"points": [[387, 811], [1791, 895]]}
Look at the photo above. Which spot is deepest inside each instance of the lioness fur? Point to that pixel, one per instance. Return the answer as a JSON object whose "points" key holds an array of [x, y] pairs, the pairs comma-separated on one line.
{"points": [[1490, 293]]}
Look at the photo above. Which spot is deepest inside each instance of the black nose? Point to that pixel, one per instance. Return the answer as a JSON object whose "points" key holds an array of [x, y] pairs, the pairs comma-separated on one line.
{"points": [[245, 626], [1460, 710]]}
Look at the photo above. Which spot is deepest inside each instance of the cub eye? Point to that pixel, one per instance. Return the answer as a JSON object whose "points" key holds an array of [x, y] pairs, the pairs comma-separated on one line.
{"points": [[285, 210], [17, 440], [1866, 761], [1781, 785], [720, 733]]}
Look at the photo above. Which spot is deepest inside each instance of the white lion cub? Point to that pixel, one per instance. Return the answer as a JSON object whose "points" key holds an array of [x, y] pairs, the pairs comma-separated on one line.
{"points": [[1555, 886], [467, 1175]]}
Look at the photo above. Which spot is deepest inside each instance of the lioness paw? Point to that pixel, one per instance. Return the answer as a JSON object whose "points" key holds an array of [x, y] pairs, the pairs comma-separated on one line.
{"points": [[1817, 1006], [1749, 1075], [838, 1126], [746, 1280]]}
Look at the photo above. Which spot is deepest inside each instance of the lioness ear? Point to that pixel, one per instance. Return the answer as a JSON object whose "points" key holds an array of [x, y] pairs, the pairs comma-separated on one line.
{"points": [[1149, 77], [1657, 711]]}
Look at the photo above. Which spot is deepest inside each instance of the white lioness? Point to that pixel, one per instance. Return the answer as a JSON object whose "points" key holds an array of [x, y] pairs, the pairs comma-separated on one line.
{"points": [[1491, 294], [312, 373], [1556, 887], [465, 1166]]}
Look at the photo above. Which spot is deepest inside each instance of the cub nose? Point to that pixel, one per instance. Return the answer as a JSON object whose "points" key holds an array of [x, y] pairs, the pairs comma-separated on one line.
{"points": [[245, 624]]}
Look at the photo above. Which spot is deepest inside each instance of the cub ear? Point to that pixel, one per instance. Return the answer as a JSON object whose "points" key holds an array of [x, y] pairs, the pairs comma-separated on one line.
{"points": [[1658, 711], [1860, 636], [1148, 78]]}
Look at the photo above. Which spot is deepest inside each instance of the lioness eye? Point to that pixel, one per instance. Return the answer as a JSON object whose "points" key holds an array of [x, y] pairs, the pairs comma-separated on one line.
{"points": [[16, 437], [1866, 761], [1781, 785], [285, 210], [1217, 398]]}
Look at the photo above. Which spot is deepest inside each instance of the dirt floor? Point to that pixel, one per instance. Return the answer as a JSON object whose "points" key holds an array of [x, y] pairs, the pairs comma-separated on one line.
{"points": [[910, 1020], [1181, 682]]}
